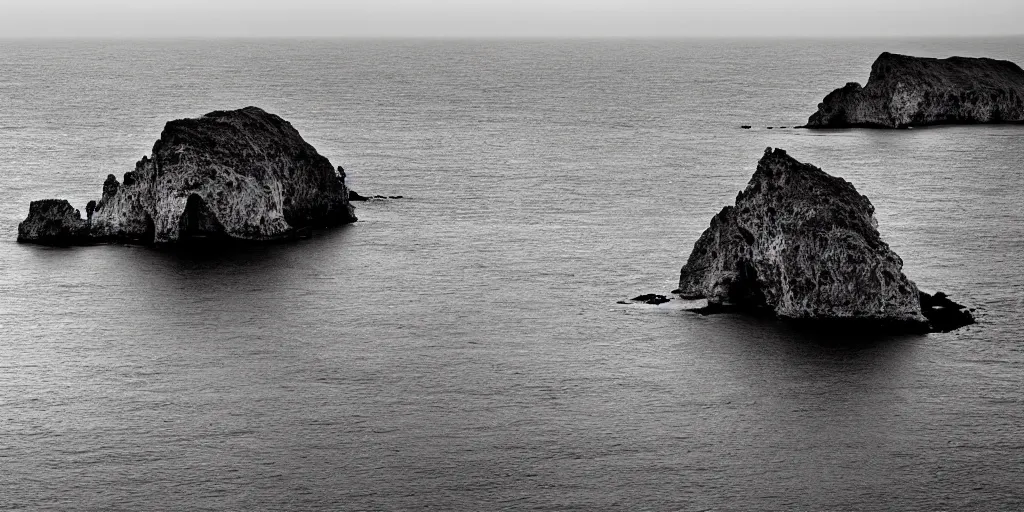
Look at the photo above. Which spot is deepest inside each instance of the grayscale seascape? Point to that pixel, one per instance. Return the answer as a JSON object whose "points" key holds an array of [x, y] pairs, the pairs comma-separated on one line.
{"points": [[461, 348]]}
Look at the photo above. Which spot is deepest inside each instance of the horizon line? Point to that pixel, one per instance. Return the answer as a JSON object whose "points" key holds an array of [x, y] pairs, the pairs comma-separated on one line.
{"points": [[502, 37]]}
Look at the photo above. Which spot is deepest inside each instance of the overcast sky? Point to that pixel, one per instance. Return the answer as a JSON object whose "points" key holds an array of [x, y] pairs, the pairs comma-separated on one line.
{"points": [[504, 18]]}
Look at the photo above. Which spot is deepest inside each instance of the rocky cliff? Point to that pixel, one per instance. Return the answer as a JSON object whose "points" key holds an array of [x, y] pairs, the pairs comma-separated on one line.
{"points": [[229, 175], [905, 91], [801, 244]]}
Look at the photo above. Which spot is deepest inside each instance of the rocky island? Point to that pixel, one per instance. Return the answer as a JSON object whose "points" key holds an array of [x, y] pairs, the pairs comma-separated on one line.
{"points": [[802, 244], [905, 91], [239, 175]]}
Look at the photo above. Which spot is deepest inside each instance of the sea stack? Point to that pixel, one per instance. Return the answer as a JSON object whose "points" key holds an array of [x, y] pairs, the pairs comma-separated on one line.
{"points": [[801, 244], [905, 91], [239, 175]]}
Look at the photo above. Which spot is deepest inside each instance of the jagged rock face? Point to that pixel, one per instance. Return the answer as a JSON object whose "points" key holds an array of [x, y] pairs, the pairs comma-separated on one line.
{"points": [[804, 245], [905, 91], [235, 175], [53, 222]]}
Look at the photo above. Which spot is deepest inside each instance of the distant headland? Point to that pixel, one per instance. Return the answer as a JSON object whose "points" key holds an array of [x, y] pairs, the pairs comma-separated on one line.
{"points": [[905, 91]]}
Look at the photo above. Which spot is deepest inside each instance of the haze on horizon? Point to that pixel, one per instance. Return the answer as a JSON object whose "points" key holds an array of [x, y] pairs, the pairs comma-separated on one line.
{"points": [[510, 18]]}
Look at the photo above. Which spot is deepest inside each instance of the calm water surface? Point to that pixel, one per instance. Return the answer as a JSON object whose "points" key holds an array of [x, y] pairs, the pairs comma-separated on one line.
{"points": [[461, 348]]}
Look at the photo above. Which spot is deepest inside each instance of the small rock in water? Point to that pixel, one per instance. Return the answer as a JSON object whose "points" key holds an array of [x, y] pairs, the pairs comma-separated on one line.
{"points": [[943, 314], [745, 127], [650, 298], [54, 222]]}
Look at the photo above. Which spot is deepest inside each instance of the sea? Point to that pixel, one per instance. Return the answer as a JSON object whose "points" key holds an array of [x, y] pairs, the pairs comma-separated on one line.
{"points": [[462, 348]]}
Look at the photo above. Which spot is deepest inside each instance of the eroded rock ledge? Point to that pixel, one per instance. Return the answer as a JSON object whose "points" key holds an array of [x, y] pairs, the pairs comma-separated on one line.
{"points": [[801, 244], [905, 91], [240, 175]]}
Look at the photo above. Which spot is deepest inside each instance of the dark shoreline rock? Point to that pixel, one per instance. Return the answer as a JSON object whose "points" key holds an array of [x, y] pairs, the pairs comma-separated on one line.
{"points": [[905, 91], [240, 175], [940, 319], [356, 196], [802, 245], [943, 314]]}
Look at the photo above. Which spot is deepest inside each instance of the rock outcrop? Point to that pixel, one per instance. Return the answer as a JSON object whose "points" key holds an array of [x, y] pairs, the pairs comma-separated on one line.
{"points": [[230, 175], [905, 91], [53, 222], [801, 244]]}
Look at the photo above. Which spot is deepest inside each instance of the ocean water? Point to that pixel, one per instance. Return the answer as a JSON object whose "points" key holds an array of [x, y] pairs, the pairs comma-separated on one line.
{"points": [[461, 348]]}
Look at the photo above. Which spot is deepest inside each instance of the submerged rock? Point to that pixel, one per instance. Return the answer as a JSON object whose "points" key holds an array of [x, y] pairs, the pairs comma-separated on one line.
{"points": [[801, 244], [229, 175], [647, 298], [905, 91]]}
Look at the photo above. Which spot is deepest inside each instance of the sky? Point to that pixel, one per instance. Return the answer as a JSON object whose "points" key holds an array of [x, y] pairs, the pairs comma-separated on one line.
{"points": [[509, 18]]}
